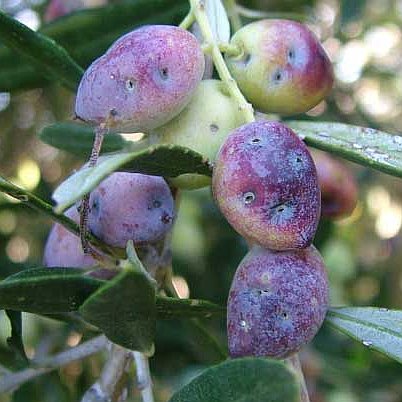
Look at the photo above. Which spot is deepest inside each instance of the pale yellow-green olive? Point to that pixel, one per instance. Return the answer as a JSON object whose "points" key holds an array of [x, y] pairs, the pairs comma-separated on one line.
{"points": [[202, 126]]}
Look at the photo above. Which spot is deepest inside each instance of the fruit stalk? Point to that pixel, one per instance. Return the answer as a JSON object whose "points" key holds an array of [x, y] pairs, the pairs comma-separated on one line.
{"points": [[112, 382], [245, 108], [294, 363], [100, 132], [144, 382]]}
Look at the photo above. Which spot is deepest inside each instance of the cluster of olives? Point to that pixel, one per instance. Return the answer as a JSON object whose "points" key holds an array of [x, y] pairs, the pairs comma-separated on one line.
{"points": [[264, 179]]}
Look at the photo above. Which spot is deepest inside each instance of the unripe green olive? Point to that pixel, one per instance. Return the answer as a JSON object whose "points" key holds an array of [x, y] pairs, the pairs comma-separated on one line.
{"points": [[202, 126]]}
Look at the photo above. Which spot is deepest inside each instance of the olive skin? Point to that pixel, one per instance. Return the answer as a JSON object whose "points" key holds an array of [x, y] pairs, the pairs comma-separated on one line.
{"points": [[131, 206], [143, 80], [277, 302], [280, 66], [63, 248], [265, 184]]}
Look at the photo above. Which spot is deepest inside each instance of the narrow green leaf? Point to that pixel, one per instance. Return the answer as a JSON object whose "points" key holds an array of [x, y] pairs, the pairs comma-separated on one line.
{"points": [[78, 138], [160, 160], [44, 52], [366, 146], [15, 341], [42, 206], [169, 307], [87, 34], [240, 380], [377, 328], [47, 290], [124, 309]]}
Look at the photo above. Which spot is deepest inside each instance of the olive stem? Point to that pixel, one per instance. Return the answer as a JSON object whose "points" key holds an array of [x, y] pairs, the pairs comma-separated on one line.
{"points": [[233, 13], [144, 381], [229, 49], [100, 132], [245, 108], [187, 21], [113, 379], [10, 381], [294, 363]]}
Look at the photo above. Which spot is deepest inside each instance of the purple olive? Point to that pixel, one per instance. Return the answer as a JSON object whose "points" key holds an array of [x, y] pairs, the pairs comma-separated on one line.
{"points": [[265, 183], [277, 302], [63, 248], [144, 80], [339, 192], [131, 206], [280, 66]]}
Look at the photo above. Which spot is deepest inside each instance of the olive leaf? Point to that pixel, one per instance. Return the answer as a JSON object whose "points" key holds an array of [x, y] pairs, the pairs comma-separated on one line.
{"points": [[376, 328], [125, 307], [47, 290], [160, 160], [79, 138], [44, 52], [218, 20], [239, 380], [366, 146], [15, 341]]}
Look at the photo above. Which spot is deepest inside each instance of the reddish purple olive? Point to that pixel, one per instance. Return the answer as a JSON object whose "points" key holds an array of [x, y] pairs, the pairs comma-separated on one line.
{"points": [[277, 302], [339, 192], [280, 66], [265, 184], [144, 80], [131, 206], [63, 248]]}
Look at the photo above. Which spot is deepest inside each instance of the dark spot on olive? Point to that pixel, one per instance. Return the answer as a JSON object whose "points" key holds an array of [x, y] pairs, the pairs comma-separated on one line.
{"points": [[285, 315], [130, 85], [164, 73], [277, 77], [113, 112], [299, 159], [166, 218], [263, 291], [291, 55], [248, 197], [213, 127], [247, 59]]}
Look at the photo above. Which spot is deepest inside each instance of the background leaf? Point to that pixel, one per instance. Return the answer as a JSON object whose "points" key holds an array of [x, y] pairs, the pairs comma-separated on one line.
{"points": [[78, 138], [366, 146], [239, 380], [124, 309], [169, 307], [87, 34], [47, 290], [377, 328], [159, 160], [15, 341], [44, 52], [218, 20]]}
